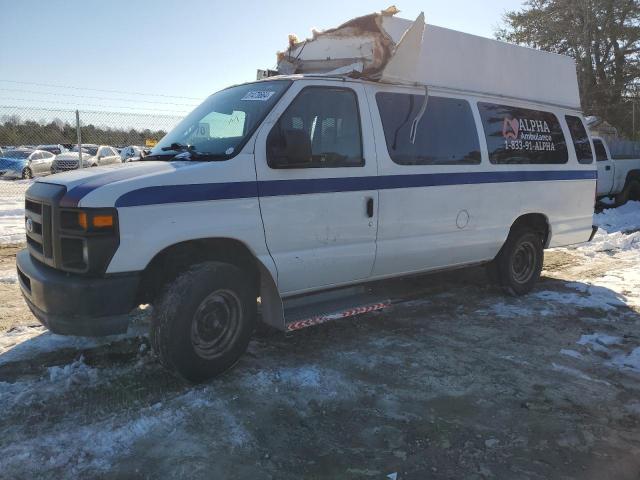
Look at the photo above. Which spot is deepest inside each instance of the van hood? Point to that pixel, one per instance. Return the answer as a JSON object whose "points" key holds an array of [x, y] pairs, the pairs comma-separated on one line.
{"points": [[79, 183]]}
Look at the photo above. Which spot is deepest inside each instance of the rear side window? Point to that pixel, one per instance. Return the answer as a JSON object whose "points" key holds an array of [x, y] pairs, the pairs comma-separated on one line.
{"points": [[601, 152], [446, 133], [580, 139], [522, 136]]}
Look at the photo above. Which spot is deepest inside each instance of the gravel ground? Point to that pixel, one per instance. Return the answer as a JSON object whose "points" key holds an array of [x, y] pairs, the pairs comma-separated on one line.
{"points": [[457, 382]]}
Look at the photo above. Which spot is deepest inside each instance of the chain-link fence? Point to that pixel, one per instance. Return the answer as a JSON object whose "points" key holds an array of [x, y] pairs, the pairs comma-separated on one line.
{"points": [[37, 142], [26, 132]]}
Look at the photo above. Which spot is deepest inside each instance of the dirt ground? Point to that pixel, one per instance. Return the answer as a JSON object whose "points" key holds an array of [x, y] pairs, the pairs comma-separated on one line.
{"points": [[13, 310], [457, 381]]}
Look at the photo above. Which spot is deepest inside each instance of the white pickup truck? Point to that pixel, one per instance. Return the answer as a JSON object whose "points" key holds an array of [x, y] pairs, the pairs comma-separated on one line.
{"points": [[618, 178]]}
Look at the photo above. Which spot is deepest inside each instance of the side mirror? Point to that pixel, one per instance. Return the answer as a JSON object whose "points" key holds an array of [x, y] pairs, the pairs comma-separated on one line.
{"points": [[291, 149]]}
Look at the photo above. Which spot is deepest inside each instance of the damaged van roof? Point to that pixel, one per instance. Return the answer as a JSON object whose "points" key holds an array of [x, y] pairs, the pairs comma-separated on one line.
{"points": [[385, 48]]}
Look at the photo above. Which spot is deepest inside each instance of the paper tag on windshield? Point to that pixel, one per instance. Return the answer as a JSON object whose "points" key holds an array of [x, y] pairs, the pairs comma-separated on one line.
{"points": [[258, 95]]}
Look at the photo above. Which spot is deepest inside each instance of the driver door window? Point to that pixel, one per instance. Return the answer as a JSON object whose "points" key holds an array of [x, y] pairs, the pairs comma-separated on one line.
{"points": [[320, 129]]}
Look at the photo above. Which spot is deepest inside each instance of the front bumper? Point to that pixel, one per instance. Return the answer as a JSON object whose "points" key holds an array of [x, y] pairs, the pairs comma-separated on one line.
{"points": [[71, 304]]}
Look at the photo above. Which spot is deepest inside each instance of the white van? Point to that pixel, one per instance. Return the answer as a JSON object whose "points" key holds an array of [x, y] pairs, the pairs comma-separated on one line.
{"points": [[298, 190]]}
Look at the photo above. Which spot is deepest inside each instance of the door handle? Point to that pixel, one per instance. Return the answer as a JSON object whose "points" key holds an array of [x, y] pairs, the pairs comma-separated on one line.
{"points": [[370, 207], [608, 167]]}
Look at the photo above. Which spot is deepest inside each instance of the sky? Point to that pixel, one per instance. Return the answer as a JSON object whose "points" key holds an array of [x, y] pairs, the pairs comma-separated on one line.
{"points": [[167, 49]]}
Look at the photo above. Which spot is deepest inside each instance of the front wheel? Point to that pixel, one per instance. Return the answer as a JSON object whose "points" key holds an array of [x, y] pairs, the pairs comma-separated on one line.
{"points": [[519, 263], [27, 173], [204, 320]]}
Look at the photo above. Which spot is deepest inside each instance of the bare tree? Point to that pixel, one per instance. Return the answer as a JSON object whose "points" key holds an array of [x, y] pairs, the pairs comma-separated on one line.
{"points": [[604, 38]]}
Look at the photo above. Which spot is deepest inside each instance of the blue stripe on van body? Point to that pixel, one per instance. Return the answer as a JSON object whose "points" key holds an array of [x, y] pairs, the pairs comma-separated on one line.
{"points": [[163, 194], [73, 196]]}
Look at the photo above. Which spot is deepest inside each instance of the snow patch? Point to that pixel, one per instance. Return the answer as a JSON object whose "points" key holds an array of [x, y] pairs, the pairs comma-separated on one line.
{"points": [[599, 341], [25, 342], [571, 353], [576, 373], [625, 218], [76, 373], [85, 448], [505, 310], [12, 212], [627, 361], [600, 298], [8, 277]]}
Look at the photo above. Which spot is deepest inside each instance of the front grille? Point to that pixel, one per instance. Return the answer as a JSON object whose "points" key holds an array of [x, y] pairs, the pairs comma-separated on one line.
{"points": [[42, 218], [38, 217], [64, 165], [33, 207]]}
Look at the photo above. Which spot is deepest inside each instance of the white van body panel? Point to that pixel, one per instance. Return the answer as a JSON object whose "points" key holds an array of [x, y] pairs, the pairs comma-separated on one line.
{"points": [[418, 227], [318, 239], [146, 230]]}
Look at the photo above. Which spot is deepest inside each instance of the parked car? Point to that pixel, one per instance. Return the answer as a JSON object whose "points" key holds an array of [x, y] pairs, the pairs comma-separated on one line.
{"points": [[92, 156], [306, 190], [132, 153], [56, 149], [25, 163], [618, 178]]}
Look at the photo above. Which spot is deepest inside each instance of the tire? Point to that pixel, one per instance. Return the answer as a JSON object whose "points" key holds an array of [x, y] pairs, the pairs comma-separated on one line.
{"points": [[204, 320], [634, 190], [491, 270], [519, 263], [631, 191], [27, 173]]}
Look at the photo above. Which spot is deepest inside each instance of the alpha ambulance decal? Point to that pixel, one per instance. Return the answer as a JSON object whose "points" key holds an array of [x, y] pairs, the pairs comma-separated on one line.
{"points": [[526, 134]]}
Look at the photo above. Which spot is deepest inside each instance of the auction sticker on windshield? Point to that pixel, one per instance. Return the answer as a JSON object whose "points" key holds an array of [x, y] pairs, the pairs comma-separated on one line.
{"points": [[258, 95]]}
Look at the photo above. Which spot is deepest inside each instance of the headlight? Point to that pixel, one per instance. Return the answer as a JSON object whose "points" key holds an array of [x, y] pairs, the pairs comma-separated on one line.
{"points": [[97, 221], [89, 237]]}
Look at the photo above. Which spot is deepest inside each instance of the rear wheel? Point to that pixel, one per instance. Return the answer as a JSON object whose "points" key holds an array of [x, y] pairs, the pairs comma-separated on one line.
{"points": [[27, 173], [631, 191], [204, 320], [519, 263]]}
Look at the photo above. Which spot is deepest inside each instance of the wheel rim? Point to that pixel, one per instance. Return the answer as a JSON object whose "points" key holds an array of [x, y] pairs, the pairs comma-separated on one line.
{"points": [[216, 324], [523, 262], [26, 173]]}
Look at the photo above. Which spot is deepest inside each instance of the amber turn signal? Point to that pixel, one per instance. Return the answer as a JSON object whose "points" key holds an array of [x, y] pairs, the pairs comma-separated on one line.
{"points": [[103, 221], [82, 220]]}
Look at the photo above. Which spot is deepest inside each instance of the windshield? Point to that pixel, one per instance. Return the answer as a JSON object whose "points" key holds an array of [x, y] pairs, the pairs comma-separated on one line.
{"points": [[18, 154], [224, 122]]}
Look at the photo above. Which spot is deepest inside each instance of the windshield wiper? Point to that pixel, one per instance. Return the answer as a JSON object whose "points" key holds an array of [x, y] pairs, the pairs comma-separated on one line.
{"points": [[188, 156], [204, 157], [178, 147]]}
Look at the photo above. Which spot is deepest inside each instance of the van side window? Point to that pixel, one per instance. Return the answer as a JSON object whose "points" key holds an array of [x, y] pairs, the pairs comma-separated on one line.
{"points": [[522, 136], [446, 134], [601, 152], [320, 129], [580, 139]]}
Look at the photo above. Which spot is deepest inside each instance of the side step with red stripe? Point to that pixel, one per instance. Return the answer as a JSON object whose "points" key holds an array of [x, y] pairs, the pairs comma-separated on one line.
{"points": [[302, 312]]}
